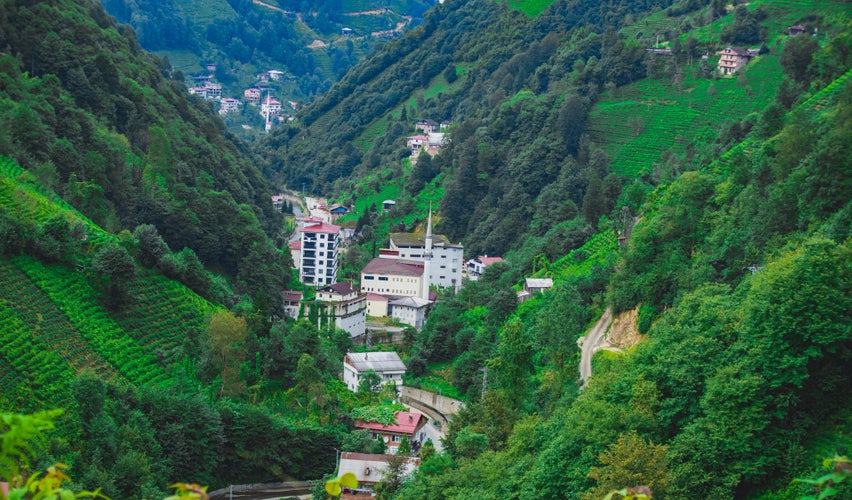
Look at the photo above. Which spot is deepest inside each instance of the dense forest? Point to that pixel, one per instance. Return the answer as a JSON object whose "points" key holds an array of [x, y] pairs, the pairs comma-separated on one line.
{"points": [[242, 37], [141, 264]]}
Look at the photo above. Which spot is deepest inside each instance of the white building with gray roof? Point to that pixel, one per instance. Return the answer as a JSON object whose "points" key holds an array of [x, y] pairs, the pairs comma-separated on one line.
{"points": [[386, 364]]}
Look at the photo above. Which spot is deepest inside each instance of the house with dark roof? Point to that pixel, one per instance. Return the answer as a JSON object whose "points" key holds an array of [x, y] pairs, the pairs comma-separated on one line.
{"points": [[406, 425], [386, 364], [732, 59]]}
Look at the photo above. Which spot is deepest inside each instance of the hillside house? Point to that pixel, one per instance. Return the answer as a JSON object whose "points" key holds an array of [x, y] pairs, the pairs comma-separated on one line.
{"points": [[229, 105], [377, 305], [275, 74], [369, 469], [426, 126], [416, 142], [296, 253], [732, 59], [406, 425], [277, 202], [475, 267], [796, 29], [337, 211], [320, 244], [270, 106], [386, 364], [252, 95], [410, 311], [292, 303], [388, 204], [435, 141], [348, 307]]}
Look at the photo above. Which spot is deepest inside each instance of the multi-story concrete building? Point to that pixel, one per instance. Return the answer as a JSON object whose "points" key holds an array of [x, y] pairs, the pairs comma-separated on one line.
{"points": [[320, 242], [444, 260]]}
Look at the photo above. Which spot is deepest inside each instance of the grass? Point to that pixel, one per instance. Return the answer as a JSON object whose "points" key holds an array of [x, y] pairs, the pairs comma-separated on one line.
{"points": [[531, 8], [664, 118], [437, 379]]}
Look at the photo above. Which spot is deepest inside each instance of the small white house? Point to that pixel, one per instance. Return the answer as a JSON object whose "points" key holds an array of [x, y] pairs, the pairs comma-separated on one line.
{"points": [[386, 364], [410, 311]]}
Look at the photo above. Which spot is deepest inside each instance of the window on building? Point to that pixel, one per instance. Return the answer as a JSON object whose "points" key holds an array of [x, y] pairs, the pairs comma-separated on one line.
{"points": [[368, 277], [383, 278], [397, 438]]}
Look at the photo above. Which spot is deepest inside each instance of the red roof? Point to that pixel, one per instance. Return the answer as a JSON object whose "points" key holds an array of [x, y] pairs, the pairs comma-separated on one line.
{"points": [[375, 296], [322, 227], [292, 296], [295, 245], [399, 267], [406, 423], [487, 261]]}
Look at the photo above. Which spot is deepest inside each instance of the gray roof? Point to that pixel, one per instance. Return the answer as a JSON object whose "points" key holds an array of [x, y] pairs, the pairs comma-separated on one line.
{"points": [[538, 282], [413, 302], [377, 361]]}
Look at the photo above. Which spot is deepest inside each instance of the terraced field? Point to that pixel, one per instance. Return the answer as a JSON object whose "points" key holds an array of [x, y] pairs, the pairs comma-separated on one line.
{"points": [[639, 125]]}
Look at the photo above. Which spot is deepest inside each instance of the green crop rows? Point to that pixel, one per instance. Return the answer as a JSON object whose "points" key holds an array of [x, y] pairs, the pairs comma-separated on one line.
{"points": [[44, 374], [654, 117], [163, 314], [73, 295], [41, 317]]}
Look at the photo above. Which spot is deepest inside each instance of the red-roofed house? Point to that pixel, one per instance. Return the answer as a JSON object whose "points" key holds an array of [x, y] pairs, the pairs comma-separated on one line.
{"points": [[292, 303], [408, 424], [377, 305], [320, 242], [296, 253], [475, 267]]}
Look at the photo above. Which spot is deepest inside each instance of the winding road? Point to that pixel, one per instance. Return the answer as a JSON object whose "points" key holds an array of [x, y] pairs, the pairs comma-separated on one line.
{"points": [[590, 341]]}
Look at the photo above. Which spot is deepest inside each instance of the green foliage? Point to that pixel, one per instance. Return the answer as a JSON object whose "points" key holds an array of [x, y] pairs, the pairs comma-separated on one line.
{"points": [[383, 414], [825, 485]]}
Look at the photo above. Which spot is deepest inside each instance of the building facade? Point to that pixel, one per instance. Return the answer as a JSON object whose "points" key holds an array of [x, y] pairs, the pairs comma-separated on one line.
{"points": [[397, 277], [386, 364], [319, 250], [348, 307]]}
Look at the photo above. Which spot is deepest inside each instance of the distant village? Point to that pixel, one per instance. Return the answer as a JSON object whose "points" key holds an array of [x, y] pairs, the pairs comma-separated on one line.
{"points": [[259, 96]]}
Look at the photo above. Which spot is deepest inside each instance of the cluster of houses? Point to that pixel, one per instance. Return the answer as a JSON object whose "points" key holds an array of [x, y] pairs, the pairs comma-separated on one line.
{"points": [[397, 284], [271, 109], [431, 139]]}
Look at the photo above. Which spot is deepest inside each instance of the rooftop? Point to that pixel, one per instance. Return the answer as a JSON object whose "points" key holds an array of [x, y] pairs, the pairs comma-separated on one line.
{"points": [[414, 302], [538, 282], [322, 227], [292, 296], [398, 267], [376, 297], [406, 423], [342, 288], [377, 361], [419, 240], [487, 261]]}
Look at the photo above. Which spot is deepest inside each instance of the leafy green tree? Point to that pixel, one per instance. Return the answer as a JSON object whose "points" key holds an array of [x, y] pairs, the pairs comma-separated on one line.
{"points": [[152, 247], [115, 272], [404, 448], [370, 382], [227, 333]]}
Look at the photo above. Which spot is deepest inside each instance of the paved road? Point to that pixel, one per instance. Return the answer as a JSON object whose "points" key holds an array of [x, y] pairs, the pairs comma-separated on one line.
{"points": [[593, 339], [432, 431]]}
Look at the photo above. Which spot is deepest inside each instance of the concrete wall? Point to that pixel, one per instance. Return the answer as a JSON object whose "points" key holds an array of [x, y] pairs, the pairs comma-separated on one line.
{"points": [[447, 406]]}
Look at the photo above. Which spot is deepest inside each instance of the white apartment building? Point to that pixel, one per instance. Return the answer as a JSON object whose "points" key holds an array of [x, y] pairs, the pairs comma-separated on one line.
{"points": [[319, 241], [346, 306]]}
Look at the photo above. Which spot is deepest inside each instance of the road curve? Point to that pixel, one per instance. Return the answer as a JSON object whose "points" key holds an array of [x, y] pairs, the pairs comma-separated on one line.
{"points": [[593, 338]]}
